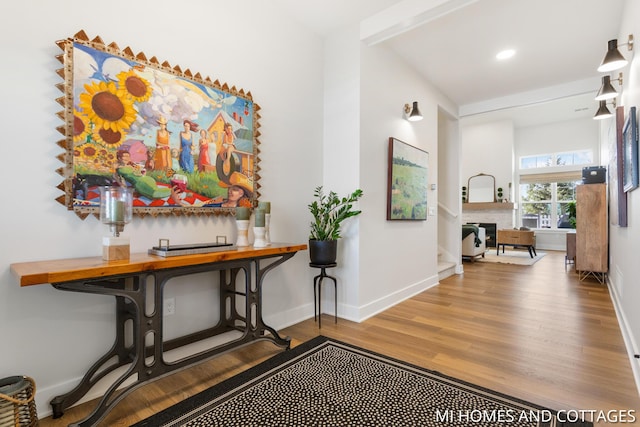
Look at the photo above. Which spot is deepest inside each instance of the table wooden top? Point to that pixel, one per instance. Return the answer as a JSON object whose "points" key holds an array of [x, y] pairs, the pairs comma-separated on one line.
{"points": [[65, 270]]}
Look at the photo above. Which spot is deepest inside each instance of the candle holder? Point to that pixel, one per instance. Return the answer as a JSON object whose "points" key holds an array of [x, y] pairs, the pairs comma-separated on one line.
{"points": [[266, 207], [116, 206], [267, 234], [259, 229]]}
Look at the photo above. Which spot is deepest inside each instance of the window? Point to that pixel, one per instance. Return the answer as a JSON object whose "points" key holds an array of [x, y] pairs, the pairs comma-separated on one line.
{"points": [[584, 157], [572, 158], [546, 204], [548, 187], [532, 162]]}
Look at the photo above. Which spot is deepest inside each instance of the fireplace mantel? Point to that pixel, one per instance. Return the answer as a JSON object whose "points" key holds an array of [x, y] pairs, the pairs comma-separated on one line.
{"points": [[478, 206]]}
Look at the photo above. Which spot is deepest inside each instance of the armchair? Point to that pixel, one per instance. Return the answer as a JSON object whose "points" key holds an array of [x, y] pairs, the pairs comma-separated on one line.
{"points": [[473, 241]]}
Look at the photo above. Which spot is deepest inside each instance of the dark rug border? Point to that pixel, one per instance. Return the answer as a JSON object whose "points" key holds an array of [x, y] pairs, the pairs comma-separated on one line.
{"points": [[229, 384], [201, 398]]}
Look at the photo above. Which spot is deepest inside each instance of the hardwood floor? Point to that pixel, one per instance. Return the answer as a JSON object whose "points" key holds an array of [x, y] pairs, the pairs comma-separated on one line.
{"points": [[536, 333]]}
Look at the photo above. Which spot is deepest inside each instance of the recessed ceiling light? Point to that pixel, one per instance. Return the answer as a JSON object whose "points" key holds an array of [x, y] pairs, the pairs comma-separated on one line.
{"points": [[505, 54]]}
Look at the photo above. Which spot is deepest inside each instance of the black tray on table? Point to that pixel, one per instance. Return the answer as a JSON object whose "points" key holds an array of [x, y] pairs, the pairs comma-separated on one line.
{"points": [[165, 250]]}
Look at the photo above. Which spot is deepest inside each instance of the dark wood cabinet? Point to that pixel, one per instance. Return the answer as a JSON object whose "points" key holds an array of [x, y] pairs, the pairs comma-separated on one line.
{"points": [[570, 257]]}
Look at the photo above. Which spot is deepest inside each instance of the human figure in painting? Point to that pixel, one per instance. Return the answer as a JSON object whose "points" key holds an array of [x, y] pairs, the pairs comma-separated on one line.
{"points": [[150, 163], [175, 162], [124, 159], [162, 156], [237, 195], [227, 149], [204, 160], [186, 146]]}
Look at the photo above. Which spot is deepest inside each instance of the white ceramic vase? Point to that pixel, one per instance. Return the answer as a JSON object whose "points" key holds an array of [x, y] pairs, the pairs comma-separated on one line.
{"points": [[243, 232], [259, 241]]}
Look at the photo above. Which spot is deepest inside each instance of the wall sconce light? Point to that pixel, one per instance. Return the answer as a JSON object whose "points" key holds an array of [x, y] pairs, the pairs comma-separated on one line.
{"points": [[607, 91], [412, 114], [613, 60], [603, 112]]}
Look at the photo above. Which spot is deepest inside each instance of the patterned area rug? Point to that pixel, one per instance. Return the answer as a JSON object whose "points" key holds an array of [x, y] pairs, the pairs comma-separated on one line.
{"points": [[324, 382], [520, 257]]}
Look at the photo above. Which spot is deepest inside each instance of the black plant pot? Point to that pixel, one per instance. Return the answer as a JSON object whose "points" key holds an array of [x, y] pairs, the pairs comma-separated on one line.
{"points": [[323, 251]]}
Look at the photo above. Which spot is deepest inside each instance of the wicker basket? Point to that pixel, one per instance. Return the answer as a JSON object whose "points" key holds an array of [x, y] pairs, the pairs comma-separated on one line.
{"points": [[17, 404]]}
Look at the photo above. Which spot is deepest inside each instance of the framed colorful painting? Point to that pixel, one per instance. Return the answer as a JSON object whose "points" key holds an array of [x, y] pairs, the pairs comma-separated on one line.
{"points": [[407, 180], [185, 144]]}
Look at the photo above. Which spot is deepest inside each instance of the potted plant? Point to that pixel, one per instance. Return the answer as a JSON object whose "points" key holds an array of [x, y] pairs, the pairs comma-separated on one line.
{"points": [[328, 212]]}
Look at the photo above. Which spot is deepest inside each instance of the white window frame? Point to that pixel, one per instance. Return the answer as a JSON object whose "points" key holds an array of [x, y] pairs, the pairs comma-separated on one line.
{"points": [[554, 159], [550, 174], [554, 203]]}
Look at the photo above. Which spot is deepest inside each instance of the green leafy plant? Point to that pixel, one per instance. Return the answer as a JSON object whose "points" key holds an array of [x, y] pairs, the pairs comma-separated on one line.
{"points": [[329, 210], [571, 210]]}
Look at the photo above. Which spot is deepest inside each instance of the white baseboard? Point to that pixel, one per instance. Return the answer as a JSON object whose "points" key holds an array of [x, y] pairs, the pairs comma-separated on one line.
{"points": [[630, 344], [362, 313]]}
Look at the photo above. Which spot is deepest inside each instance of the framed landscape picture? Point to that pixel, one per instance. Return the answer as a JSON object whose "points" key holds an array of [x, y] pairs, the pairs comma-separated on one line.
{"points": [[630, 151], [408, 173]]}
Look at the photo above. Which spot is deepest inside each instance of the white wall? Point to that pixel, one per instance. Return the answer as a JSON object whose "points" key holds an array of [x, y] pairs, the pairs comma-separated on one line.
{"points": [[448, 189], [341, 152], [54, 336], [624, 244], [557, 137], [397, 258], [488, 148]]}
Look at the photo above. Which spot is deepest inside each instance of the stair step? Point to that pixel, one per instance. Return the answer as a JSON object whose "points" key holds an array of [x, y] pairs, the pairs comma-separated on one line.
{"points": [[444, 265]]}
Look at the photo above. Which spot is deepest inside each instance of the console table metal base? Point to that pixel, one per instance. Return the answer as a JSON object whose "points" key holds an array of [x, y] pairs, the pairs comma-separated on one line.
{"points": [[139, 342]]}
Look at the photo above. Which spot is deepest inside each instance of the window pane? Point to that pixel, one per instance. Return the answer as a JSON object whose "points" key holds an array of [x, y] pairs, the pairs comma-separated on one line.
{"points": [[536, 215], [583, 158], [531, 220], [564, 159], [544, 161], [564, 218], [527, 162], [535, 192], [566, 191], [536, 208]]}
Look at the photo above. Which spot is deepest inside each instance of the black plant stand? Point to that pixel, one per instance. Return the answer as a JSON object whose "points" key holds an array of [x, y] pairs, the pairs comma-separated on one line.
{"points": [[317, 292]]}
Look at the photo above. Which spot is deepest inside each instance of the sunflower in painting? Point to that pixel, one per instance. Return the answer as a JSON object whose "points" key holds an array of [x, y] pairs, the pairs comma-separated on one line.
{"points": [[86, 152], [136, 87], [109, 137], [107, 106], [81, 128]]}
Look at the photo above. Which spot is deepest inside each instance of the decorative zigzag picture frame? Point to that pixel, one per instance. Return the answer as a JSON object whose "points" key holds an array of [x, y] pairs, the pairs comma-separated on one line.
{"points": [[186, 144]]}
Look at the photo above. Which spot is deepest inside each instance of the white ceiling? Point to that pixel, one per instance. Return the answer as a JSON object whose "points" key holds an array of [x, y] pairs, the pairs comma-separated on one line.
{"points": [[453, 44]]}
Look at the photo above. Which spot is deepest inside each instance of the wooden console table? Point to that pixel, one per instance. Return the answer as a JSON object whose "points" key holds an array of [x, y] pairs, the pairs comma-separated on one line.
{"points": [[140, 320], [516, 238]]}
